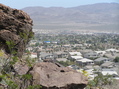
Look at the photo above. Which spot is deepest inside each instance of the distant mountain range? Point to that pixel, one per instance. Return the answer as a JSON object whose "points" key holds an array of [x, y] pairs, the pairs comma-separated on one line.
{"points": [[98, 16]]}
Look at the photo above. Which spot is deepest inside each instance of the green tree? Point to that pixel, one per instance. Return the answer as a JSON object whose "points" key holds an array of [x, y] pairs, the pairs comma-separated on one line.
{"points": [[99, 81], [116, 59]]}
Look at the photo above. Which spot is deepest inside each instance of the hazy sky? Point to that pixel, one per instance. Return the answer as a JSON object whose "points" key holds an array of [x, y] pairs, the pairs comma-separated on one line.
{"points": [[19, 4]]}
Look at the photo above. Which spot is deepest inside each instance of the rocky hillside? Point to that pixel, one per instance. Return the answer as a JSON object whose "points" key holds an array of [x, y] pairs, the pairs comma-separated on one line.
{"points": [[15, 30], [17, 73]]}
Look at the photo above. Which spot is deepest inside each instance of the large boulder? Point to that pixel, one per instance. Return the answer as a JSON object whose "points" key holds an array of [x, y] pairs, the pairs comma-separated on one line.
{"points": [[15, 29], [53, 76]]}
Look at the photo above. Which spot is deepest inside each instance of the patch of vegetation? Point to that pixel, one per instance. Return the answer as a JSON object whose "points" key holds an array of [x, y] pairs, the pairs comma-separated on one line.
{"points": [[116, 59], [67, 63], [9, 79], [100, 81]]}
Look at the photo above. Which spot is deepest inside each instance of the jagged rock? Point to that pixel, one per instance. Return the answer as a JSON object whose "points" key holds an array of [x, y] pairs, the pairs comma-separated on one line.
{"points": [[21, 69], [52, 76], [15, 27]]}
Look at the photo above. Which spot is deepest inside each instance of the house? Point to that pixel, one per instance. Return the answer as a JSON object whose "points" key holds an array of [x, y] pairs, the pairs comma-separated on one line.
{"points": [[44, 56], [84, 61], [108, 65], [113, 73], [89, 73], [112, 55], [29, 48], [77, 45], [54, 42], [33, 55], [61, 54], [112, 50], [75, 55], [32, 42], [92, 70], [61, 59], [94, 67], [100, 52], [67, 46], [75, 67], [47, 41], [101, 60], [91, 55]]}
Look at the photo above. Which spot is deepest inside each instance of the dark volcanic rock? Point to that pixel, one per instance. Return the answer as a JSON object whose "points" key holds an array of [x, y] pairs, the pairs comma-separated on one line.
{"points": [[15, 27], [52, 76]]}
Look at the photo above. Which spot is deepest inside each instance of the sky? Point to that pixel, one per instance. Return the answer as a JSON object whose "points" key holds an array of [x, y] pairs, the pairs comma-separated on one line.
{"points": [[19, 4]]}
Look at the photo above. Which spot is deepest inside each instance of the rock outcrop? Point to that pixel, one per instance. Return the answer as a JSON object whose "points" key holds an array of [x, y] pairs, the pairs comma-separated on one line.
{"points": [[52, 76], [15, 28], [15, 32]]}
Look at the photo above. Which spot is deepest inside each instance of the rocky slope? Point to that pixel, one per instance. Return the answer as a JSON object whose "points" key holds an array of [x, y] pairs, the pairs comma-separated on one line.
{"points": [[15, 29], [15, 32]]}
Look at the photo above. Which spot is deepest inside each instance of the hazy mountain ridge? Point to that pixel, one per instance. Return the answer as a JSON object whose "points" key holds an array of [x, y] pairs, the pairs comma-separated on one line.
{"points": [[101, 13]]}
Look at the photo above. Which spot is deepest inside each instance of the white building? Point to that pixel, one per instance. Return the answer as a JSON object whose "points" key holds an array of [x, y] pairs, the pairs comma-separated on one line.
{"points": [[75, 53], [33, 55], [112, 50], [100, 52], [85, 61], [113, 73]]}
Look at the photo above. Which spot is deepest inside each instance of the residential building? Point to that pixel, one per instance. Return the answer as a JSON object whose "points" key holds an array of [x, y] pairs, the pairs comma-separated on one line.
{"points": [[84, 61], [91, 55], [101, 60], [108, 65]]}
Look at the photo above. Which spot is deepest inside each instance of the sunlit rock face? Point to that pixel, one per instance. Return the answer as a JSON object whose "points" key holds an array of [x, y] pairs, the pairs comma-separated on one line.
{"points": [[15, 28], [53, 76]]}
